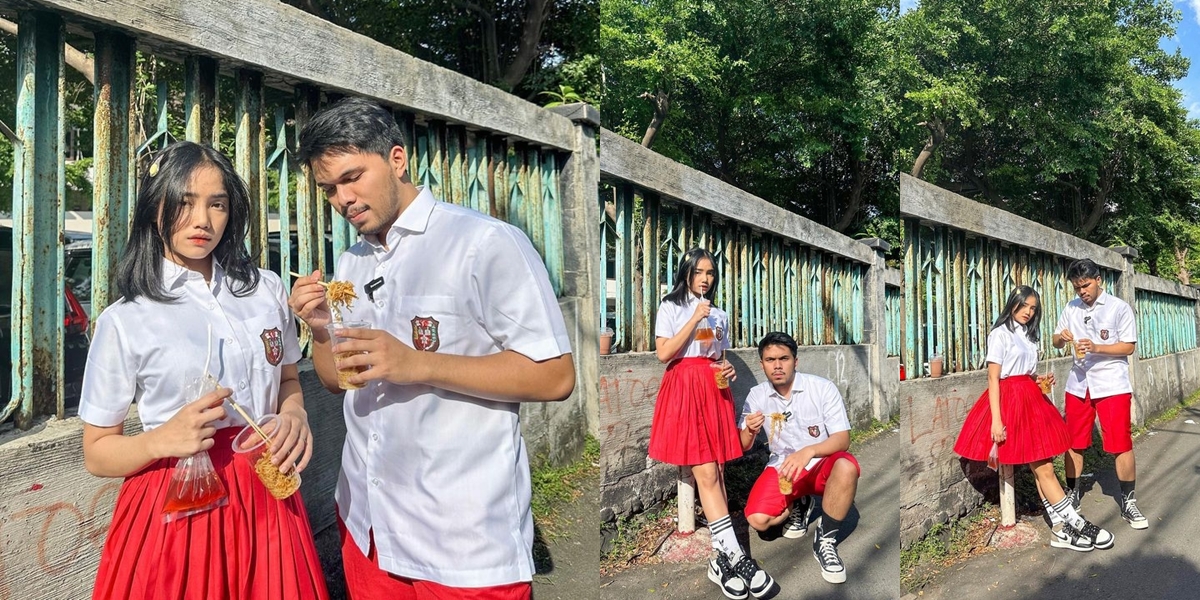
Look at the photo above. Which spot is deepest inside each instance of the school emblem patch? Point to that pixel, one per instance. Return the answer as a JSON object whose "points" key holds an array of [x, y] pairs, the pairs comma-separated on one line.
{"points": [[814, 430], [720, 334], [272, 340], [1104, 334], [425, 334]]}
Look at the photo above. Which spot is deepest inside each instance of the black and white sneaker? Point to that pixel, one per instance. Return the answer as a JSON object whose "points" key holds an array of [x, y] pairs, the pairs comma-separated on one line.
{"points": [[1072, 538], [1130, 512], [757, 579], [796, 525], [1101, 538], [825, 551], [721, 573]]}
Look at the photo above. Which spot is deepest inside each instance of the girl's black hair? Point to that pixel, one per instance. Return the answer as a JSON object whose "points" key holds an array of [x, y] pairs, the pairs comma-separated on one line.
{"points": [[1015, 300], [683, 276], [139, 272]]}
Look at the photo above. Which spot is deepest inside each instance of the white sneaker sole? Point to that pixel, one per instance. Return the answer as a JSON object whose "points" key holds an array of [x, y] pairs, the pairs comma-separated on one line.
{"points": [[1138, 524], [794, 534], [838, 577], [1058, 542]]}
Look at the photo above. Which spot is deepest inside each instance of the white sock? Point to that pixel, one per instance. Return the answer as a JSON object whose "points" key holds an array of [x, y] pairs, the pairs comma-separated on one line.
{"points": [[1068, 513], [1055, 519], [724, 539]]}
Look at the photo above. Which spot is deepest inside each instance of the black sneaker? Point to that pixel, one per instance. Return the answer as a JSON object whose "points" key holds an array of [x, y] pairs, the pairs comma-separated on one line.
{"points": [[757, 579], [1101, 539], [721, 573], [825, 551], [1072, 538], [796, 525], [1130, 512], [1076, 498]]}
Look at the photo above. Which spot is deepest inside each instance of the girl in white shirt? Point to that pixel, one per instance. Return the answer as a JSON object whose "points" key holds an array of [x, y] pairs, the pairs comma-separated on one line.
{"points": [[193, 299], [694, 423], [1016, 415]]}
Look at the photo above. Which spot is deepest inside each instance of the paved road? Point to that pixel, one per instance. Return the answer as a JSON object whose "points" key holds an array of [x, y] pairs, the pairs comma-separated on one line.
{"points": [[871, 549], [572, 569], [1162, 561]]}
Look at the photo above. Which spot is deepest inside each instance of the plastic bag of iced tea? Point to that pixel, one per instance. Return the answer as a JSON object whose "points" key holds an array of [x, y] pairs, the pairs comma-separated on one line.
{"points": [[194, 486]]}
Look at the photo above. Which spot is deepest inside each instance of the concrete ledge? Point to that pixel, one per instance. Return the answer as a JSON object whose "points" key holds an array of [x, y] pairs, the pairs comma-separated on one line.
{"points": [[927, 202], [1151, 283], [894, 277], [628, 161]]}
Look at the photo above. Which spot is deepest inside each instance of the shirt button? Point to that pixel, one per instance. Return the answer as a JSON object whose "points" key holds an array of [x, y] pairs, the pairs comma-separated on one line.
{"points": [[375, 482], [212, 305], [242, 385], [375, 436], [380, 303]]}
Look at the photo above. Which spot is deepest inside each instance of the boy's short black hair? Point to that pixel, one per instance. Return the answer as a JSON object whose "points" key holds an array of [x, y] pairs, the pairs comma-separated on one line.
{"points": [[776, 338], [1084, 268], [349, 126]]}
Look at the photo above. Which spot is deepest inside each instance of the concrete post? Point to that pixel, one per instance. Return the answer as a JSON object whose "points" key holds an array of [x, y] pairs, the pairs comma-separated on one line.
{"points": [[1008, 502], [875, 324], [1124, 289], [687, 501]]}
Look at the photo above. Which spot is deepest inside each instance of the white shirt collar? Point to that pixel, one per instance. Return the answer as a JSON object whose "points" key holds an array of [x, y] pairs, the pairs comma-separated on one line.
{"points": [[796, 387], [175, 275], [413, 219]]}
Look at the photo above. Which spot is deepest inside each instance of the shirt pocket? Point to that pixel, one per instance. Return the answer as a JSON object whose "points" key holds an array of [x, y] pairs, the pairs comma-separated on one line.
{"points": [[432, 323], [263, 340]]}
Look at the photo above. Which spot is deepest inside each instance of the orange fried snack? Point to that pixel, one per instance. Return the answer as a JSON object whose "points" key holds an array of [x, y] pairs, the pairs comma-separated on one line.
{"points": [[340, 294], [281, 486], [777, 421]]}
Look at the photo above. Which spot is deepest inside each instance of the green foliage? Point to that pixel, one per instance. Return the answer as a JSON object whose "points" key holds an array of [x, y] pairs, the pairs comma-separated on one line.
{"points": [[792, 102]]}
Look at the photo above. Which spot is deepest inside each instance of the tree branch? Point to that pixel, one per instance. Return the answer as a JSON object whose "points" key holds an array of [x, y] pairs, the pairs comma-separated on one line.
{"points": [[73, 57], [662, 104], [536, 13], [937, 134]]}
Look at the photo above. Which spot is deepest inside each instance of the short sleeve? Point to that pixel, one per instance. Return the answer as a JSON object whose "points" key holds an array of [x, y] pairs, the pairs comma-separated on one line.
{"points": [[833, 409], [1126, 325], [110, 376], [1062, 320], [997, 344], [519, 308], [664, 321]]}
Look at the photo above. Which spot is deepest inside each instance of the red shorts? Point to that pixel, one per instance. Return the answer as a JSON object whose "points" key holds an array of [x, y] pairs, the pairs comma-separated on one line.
{"points": [[1114, 421], [366, 581], [766, 499]]}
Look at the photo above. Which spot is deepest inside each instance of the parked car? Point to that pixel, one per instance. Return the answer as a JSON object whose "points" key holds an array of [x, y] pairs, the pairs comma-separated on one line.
{"points": [[75, 329]]}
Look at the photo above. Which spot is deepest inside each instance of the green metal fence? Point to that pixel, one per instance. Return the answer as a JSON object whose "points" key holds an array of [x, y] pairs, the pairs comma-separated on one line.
{"points": [[767, 281], [894, 305], [1166, 323]]}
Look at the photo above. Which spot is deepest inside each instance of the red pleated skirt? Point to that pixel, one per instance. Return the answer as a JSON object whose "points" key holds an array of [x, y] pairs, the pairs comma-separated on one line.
{"points": [[693, 419], [1035, 428], [253, 548]]}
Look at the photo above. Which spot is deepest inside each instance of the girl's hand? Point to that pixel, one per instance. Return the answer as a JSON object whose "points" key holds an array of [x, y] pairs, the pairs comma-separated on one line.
{"points": [[702, 311], [999, 431], [291, 442], [1047, 377], [190, 430], [729, 372]]}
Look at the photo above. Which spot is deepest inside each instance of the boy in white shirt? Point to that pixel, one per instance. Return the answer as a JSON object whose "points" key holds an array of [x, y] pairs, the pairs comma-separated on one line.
{"points": [[1103, 330], [809, 436]]}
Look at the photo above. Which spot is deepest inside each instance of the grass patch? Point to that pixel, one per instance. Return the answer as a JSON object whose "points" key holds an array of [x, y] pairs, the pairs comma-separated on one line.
{"points": [[556, 486], [635, 539], [1167, 415], [945, 545], [875, 427]]}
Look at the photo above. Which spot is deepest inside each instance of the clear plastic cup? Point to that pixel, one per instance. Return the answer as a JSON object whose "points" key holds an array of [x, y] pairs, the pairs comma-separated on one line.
{"points": [[718, 368], [250, 447], [345, 374]]}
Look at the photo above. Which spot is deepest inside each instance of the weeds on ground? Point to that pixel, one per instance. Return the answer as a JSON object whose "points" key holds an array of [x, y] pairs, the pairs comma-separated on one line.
{"points": [[946, 544], [635, 539], [873, 429], [556, 486]]}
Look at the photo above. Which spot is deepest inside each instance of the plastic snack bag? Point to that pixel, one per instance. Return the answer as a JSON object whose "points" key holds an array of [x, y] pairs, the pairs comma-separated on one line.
{"points": [[195, 486], [994, 457]]}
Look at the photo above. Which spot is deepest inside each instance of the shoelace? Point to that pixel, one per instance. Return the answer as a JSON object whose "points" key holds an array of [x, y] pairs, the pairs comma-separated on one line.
{"points": [[1131, 509], [827, 549], [1091, 531], [797, 517], [1076, 536], [746, 568]]}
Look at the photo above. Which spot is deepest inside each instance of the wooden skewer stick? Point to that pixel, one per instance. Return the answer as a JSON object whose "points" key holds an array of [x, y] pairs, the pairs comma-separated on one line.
{"points": [[295, 274], [254, 425]]}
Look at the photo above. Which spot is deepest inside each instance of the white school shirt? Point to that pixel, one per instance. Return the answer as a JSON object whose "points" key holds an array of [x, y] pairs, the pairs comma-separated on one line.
{"points": [[441, 477], [1107, 321], [814, 410], [146, 352], [672, 318], [1012, 350]]}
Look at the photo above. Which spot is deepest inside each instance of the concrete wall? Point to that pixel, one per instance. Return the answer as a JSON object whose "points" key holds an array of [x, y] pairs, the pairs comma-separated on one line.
{"points": [[629, 383], [941, 486]]}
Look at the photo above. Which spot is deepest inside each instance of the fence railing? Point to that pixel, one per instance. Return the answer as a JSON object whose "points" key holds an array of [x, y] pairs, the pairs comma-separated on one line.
{"points": [[894, 305], [1166, 316], [496, 153], [962, 260], [778, 271]]}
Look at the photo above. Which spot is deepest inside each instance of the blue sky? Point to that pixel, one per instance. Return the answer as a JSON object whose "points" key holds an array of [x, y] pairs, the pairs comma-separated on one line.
{"points": [[1187, 38]]}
